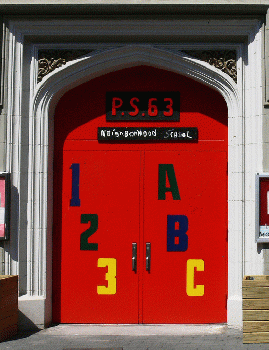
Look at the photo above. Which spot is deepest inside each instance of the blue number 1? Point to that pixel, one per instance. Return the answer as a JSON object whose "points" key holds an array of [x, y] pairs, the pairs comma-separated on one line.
{"points": [[75, 201], [177, 239]]}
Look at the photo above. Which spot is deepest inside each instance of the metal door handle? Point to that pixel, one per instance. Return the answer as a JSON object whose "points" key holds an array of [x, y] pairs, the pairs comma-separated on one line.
{"points": [[134, 257], [148, 256]]}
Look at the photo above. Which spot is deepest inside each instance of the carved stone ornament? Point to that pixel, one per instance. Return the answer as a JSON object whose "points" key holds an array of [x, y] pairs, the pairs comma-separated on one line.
{"points": [[48, 60], [225, 60]]}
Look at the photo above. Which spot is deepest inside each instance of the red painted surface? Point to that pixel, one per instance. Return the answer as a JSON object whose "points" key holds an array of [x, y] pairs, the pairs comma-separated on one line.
{"points": [[109, 189], [2, 205], [264, 188], [119, 182], [201, 178]]}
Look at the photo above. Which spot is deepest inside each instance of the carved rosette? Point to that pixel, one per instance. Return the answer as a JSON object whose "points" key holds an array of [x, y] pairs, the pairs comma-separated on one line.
{"points": [[225, 60], [49, 60]]}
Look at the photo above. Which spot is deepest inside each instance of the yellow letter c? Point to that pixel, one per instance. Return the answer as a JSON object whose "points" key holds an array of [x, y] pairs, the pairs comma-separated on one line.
{"points": [[192, 290]]}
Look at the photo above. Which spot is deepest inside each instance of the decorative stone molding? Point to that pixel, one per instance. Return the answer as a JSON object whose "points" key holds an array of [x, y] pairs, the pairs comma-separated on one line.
{"points": [[49, 60], [29, 143], [97, 64], [225, 60]]}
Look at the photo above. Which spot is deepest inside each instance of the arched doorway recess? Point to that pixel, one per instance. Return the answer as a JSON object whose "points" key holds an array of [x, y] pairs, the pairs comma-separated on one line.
{"points": [[89, 68], [134, 233]]}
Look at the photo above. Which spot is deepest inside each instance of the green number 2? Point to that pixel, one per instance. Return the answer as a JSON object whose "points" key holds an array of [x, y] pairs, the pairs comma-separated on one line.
{"points": [[93, 219]]}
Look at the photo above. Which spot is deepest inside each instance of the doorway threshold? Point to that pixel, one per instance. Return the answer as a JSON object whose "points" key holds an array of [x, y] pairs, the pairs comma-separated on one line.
{"points": [[137, 329]]}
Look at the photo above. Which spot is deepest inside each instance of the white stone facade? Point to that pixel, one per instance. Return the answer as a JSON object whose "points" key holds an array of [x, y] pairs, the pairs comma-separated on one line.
{"points": [[26, 129]]}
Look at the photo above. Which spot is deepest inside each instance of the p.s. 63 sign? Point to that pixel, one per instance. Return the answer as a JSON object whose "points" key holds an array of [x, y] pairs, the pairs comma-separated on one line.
{"points": [[142, 106]]}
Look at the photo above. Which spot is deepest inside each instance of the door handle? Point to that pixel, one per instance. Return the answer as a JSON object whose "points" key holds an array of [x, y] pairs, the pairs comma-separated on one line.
{"points": [[148, 256], [134, 257]]}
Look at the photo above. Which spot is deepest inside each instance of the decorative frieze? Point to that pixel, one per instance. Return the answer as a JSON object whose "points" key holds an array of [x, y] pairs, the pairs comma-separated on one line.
{"points": [[225, 60], [49, 60]]}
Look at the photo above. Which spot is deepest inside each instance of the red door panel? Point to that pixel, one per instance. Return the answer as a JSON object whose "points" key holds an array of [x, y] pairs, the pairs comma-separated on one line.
{"points": [[199, 230], [108, 191], [110, 195]]}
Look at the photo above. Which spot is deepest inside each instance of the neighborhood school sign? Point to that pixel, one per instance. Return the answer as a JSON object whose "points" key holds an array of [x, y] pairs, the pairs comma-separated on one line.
{"points": [[147, 134]]}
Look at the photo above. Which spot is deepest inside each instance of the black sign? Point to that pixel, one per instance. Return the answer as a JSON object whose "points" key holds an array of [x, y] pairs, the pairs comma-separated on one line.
{"points": [[148, 134], [142, 106]]}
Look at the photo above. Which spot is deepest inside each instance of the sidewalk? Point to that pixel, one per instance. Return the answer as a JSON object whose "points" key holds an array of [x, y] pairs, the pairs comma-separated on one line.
{"points": [[131, 337]]}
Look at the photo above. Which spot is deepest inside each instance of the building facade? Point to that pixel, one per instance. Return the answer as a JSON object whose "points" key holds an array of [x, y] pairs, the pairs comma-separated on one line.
{"points": [[134, 135]]}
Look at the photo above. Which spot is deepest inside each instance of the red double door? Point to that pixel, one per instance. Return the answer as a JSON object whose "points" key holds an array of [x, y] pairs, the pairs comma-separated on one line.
{"points": [[144, 237]]}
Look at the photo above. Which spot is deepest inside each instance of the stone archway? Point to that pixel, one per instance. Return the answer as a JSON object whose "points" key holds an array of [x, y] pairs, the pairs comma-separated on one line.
{"points": [[41, 149]]}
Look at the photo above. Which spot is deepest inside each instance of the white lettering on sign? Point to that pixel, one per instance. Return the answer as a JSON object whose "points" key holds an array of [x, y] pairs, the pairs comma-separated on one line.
{"points": [[128, 133], [264, 231], [172, 134], [148, 134]]}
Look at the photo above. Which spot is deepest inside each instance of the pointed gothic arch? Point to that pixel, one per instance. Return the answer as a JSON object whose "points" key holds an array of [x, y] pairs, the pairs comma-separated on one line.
{"points": [[40, 170]]}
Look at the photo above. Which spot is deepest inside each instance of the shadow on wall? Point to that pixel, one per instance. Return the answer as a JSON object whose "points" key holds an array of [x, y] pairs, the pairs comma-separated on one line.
{"points": [[24, 331], [25, 325]]}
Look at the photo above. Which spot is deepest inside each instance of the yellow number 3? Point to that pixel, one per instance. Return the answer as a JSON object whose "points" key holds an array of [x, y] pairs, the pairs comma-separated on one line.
{"points": [[111, 263]]}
